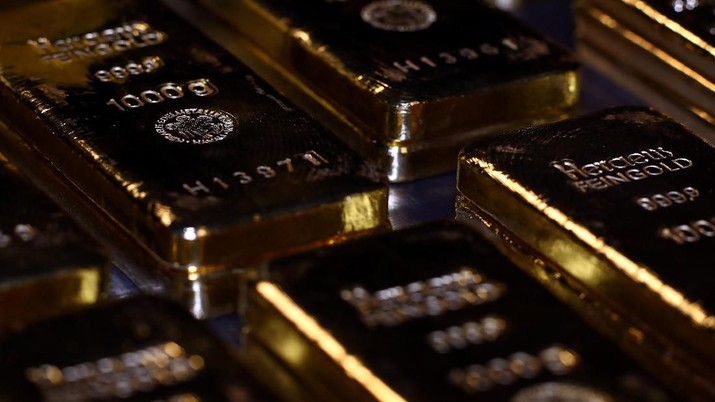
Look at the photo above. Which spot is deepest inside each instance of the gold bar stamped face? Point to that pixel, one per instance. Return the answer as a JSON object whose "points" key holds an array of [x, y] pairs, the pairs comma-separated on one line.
{"points": [[432, 313], [182, 146], [136, 350], [48, 264], [415, 78], [619, 207]]}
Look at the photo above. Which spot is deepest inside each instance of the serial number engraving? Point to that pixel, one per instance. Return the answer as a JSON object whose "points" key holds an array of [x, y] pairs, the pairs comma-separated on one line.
{"points": [[169, 90], [262, 172], [691, 232], [120, 74], [467, 53], [512, 48], [665, 200]]}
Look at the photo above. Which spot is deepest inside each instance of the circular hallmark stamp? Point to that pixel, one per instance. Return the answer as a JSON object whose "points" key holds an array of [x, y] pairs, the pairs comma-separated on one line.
{"points": [[196, 126], [399, 15]]}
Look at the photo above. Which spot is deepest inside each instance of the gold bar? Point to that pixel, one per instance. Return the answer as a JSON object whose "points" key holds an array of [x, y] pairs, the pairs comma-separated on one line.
{"points": [[49, 265], [410, 82], [662, 51], [197, 160], [432, 313], [612, 210], [142, 349]]}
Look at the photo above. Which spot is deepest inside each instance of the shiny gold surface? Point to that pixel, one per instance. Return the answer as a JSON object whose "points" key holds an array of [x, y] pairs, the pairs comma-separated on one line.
{"points": [[96, 89], [325, 342], [657, 52], [358, 322], [603, 245], [412, 125], [134, 350]]}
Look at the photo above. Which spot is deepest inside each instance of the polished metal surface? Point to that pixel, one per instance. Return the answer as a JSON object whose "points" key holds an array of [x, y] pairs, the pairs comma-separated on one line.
{"points": [[620, 204], [430, 313], [153, 131], [408, 84], [422, 200], [144, 349], [191, 153], [662, 50]]}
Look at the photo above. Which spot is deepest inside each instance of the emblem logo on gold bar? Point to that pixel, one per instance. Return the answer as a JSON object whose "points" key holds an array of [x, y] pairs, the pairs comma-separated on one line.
{"points": [[196, 126], [399, 15]]}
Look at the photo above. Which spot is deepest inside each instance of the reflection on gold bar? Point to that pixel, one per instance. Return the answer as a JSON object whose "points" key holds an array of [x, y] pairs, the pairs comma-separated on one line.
{"points": [[48, 264], [432, 313], [409, 82], [614, 212], [142, 349], [193, 156], [662, 51]]}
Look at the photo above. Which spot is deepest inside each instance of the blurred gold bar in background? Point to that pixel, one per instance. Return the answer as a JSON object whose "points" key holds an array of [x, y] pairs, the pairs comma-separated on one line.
{"points": [[663, 51], [407, 82], [48, 264], [613, 212], [134, 350]]}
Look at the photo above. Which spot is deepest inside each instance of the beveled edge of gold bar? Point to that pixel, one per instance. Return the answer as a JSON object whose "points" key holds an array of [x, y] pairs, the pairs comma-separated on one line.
{"points": [[302, 344], [656, 76], [330, 222], [654, 310], [647, 349], [189, 251], [382, 115]]}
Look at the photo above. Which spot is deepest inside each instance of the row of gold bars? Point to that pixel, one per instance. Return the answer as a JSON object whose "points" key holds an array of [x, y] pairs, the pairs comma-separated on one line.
{"points": [[233, 159]]}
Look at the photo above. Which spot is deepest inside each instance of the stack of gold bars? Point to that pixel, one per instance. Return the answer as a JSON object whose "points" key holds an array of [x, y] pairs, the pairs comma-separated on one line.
{"points": [[244, 163], [662, 50]]}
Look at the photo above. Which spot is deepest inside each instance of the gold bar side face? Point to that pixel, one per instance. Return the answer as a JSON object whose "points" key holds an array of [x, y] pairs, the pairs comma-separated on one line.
{"points": [[177, 143], [48, 264], [141, 349], [619, 204], [430, 313], [663, 52], [409, 77]]}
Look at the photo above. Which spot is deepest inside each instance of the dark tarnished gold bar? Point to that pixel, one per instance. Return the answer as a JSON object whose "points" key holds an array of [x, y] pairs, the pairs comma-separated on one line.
{"points": [[613, 211], [432, 313], [410, 82], [142, 349], [172, 139], [48, 264], [664, 51]]}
